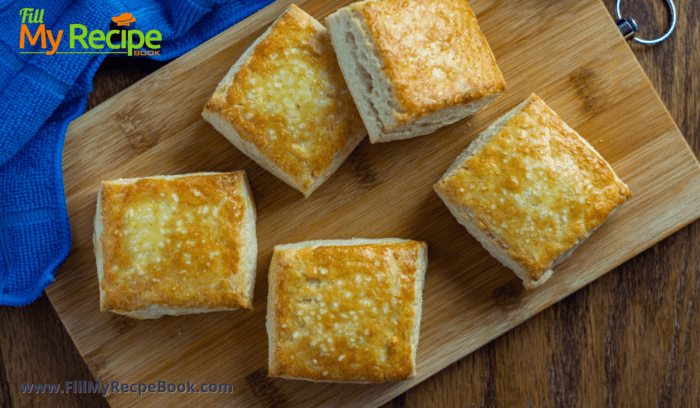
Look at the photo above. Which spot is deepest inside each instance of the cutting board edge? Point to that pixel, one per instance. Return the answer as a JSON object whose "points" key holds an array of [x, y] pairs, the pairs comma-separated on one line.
{"points": [[666, 234], [639, 67], [426, 374]]}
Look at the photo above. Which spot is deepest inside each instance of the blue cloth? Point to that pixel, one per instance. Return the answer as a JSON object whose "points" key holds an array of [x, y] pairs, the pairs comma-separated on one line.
{"points": [[40, 94]]}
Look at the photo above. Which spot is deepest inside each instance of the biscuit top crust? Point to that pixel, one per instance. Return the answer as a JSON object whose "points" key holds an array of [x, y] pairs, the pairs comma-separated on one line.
{"points": [[433, 53], [345, 313], [536, 188], [290, 99], [173, 242]]}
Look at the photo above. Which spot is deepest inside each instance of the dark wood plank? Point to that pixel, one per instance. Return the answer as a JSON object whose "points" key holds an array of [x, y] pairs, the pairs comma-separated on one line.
{"points": [[34, 345], [35, 348], [629, 338]]}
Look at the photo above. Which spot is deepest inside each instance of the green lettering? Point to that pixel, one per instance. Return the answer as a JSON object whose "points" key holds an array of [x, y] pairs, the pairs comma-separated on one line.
{"points": [[95, 36], [153, 35], [26, 12], [38, 17], [109, 39], [79, 37], [133, 46]]}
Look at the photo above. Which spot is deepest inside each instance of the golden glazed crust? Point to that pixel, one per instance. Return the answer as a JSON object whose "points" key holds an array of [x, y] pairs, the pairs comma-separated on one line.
{"points": [[536, 188], [173, 242], [345, 313], [433, 53], [290, 99]]}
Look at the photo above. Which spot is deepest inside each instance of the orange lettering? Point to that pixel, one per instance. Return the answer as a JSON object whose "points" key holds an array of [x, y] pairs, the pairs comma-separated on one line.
{"points": [[54, 44], [41, 31]]}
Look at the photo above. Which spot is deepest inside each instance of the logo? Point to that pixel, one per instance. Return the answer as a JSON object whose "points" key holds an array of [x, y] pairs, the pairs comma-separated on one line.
{"points": [[82, 41], [124, 19]]}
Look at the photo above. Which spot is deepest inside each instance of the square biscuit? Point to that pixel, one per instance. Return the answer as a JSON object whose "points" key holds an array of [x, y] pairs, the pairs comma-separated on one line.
{"points": [[345, 310], [171, 245], [530, 190], [285, 104], [414, 66]]}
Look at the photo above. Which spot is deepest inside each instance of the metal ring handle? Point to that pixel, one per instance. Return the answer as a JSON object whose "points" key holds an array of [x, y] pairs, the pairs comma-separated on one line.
{"points": [[671, 6]]}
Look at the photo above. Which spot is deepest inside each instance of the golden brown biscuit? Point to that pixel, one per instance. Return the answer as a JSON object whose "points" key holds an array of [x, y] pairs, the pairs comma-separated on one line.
{"points": [[346, 310], [285, 104], [414, 66], [530, 189], [175, 244]]}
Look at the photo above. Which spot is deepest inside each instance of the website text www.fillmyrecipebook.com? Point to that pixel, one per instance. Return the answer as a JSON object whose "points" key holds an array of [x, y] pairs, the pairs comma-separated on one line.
{"points": [[114, 387]]}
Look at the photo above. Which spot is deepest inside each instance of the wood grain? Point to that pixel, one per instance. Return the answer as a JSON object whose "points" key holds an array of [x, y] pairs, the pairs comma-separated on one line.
{"points": [[567, 349], [155, 128]]}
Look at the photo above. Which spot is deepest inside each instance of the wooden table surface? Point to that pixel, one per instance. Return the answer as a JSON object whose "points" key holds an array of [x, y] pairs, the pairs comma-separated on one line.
{"points": [[628, 339]]}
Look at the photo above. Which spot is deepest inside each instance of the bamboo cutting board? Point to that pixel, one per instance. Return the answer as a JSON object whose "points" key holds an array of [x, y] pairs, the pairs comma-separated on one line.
{"points": [[568, 51]]}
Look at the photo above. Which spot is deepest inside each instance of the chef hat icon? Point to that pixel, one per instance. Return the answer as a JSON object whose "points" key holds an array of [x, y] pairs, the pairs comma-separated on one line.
{"points": [[124, 19]]}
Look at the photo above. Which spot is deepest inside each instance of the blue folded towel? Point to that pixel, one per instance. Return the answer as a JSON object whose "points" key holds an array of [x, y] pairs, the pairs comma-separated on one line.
{"points": [[40, 94]]}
